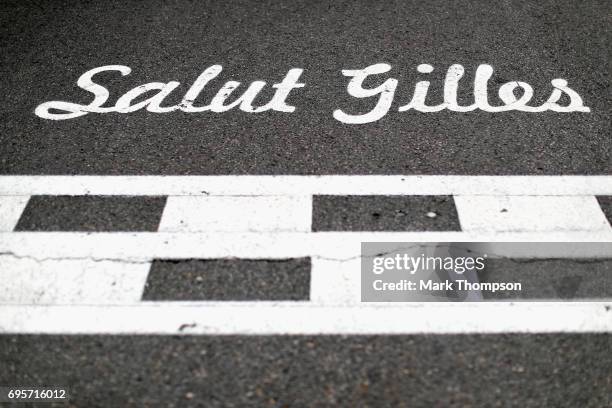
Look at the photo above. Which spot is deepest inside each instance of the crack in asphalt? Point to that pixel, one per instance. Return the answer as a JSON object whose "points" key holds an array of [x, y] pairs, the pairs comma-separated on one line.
{"points": [[136, 260]]}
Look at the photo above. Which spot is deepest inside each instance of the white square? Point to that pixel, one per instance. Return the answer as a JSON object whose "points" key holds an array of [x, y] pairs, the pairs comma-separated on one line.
{"points": [[237, 214]]}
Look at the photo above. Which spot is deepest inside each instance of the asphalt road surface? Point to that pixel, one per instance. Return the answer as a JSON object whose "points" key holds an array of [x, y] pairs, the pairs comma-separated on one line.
{"points": [[382, 371], [47, 46]]}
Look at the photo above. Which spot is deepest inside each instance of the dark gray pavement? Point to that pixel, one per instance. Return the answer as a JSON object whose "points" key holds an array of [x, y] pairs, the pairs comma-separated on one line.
{"points": [[228, 279], [48, 45], [558, 370], [384, 213], [91, 213]]}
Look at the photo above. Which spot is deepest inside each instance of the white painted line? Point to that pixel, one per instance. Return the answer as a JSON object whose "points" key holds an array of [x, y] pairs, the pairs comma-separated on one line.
{"points": [[145, 246], [335, 282], [263, 318], [238, 214], [530, 213], [306, 185], [27, 281], [11, 208]]}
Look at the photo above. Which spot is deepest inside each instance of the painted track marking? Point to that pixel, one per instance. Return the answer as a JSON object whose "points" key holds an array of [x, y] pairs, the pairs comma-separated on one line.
{"points": [[284, 201]]}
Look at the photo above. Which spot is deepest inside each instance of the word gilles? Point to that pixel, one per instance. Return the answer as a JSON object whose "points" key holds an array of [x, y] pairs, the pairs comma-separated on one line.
{"points": [[386, 93], [133, 100]]}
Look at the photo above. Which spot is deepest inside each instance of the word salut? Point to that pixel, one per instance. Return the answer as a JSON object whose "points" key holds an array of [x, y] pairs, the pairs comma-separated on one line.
{"points": [[513, 96]]}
